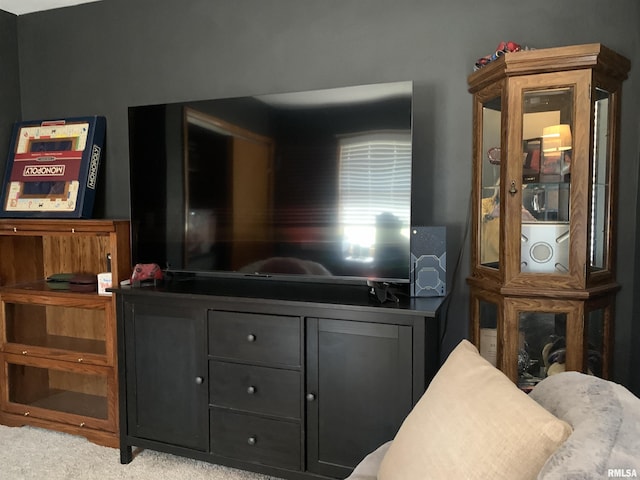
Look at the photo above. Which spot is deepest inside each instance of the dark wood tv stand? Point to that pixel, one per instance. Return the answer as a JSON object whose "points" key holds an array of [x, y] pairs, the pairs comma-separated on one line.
{"points": [[290, 379]]}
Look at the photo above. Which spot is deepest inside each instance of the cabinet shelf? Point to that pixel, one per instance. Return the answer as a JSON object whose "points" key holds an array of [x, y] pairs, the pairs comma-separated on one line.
{"points": [[41, 293]]}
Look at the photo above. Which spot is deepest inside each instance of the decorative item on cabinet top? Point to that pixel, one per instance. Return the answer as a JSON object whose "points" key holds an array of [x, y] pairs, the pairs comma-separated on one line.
{"points": [[75, 282], [52, 168], [501, 49], [428, 269]]}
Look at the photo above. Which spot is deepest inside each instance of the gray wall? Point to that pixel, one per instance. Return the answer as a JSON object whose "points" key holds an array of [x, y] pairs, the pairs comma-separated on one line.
{"points": [[9, 81], [102, 57]]}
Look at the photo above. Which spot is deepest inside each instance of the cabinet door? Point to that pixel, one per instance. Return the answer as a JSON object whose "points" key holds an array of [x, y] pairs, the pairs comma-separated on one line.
{"points": [[166, 365], [359, 390]]}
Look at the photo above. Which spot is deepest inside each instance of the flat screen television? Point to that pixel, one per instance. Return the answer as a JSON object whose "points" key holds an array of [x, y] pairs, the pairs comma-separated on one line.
{"points": [[309, 185]]}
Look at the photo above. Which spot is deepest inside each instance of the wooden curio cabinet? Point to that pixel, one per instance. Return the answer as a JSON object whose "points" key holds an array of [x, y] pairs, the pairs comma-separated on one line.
{"points": [[545, 169], [58, 355]]}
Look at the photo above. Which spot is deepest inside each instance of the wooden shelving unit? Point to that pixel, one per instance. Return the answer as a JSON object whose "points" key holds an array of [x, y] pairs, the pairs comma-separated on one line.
{"points": [[58, 363]]}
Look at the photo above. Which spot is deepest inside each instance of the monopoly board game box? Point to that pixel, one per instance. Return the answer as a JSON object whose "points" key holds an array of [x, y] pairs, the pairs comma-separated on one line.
{"points": [[52, 168]]}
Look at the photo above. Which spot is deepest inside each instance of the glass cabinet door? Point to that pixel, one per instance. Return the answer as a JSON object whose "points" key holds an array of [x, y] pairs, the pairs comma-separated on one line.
{"points": [[488, 334], [594, 351], [541, 346], [541, 339], [547, 126], [74, 333], [60, 391], [601, 179], [490, 176]]}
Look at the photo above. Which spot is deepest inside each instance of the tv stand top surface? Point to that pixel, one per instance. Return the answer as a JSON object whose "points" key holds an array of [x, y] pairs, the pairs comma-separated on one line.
{"points": [[290, 291]]}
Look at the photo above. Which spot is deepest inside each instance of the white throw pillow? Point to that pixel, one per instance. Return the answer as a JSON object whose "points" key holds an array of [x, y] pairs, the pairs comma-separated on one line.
{"points": [[473, 423]]}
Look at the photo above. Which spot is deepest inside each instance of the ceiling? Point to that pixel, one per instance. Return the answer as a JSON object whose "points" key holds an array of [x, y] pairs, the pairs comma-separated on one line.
{"points": [[20, 7]]}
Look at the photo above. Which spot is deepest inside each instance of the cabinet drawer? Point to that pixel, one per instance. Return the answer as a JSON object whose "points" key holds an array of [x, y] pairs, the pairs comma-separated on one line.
{"points": [[255, 338], [255, 439], [255, 389]]}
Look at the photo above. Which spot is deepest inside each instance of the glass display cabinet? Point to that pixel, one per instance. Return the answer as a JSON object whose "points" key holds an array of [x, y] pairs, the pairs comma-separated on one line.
{"points": [[545, 168]]}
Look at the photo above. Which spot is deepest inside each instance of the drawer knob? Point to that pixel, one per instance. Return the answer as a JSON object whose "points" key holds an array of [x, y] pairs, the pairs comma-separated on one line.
{"points": [[251, 337], [199, 380], [80, 360], [24, 352], [26, 414], [311, 397], [251, 390], [82, 424], [252, 440]]}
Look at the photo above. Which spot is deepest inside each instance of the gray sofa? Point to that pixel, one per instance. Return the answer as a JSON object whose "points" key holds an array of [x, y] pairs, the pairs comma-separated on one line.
{"points": [[604, 442]]}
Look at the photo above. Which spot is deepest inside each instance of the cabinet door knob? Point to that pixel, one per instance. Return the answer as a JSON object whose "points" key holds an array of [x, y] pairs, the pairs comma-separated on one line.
{"points": [[251, 390], [199, 380], [252, 440], [251, 337], [311, 397]]}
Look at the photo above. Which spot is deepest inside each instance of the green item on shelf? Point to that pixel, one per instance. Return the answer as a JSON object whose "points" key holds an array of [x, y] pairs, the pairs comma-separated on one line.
{"points": [[60, 277], [59, 281]]}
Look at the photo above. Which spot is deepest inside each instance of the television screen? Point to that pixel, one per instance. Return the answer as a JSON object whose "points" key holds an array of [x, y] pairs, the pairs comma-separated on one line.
{"points": [[312, 184]]}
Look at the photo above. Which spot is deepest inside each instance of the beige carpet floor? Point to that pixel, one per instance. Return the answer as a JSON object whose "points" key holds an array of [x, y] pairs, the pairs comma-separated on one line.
{"points": [[28, 453]]}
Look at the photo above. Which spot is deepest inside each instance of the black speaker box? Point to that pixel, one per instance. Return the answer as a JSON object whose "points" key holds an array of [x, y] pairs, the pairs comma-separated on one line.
{"points": [[428, 273]]}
